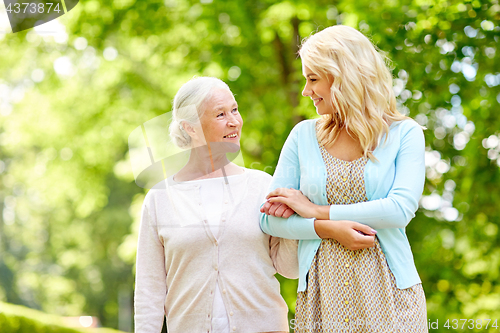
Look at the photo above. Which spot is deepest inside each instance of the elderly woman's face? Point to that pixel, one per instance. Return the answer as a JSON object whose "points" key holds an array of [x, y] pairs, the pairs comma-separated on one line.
{"points": [[221, 121]]}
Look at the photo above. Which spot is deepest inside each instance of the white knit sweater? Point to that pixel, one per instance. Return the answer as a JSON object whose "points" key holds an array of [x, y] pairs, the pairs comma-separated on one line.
{"points": [[179, 261]]}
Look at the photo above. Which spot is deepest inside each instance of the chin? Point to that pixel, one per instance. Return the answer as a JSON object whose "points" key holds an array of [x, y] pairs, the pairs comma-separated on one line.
{"points": [[223, 147], [233, 147], [323, 112]]}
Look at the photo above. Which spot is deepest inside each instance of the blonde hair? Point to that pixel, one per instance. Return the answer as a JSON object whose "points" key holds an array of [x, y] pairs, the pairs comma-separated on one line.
{"points": [[188, 106], [362, 95]]}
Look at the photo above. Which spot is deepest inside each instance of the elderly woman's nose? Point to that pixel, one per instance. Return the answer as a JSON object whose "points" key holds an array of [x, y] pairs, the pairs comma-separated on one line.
{"points": [[233, 120]]}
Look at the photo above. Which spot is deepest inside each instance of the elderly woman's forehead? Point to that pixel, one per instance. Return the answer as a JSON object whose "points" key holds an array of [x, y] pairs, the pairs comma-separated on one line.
{"points": [[221, 98]]}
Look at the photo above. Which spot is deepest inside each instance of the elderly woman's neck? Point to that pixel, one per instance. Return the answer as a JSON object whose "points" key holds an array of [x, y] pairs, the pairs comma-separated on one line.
{"points": [[204, 163]]}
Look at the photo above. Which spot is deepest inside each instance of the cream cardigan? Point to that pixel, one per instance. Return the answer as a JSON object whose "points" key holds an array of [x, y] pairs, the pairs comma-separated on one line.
{"points": [[179, 261]]}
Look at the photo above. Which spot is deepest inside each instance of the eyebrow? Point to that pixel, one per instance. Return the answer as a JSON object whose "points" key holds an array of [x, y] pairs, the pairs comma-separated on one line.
{"points": [[221, 107]]}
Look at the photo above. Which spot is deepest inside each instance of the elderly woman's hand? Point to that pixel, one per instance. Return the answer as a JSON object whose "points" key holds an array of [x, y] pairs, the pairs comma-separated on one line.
{"points": [[277, 209]]}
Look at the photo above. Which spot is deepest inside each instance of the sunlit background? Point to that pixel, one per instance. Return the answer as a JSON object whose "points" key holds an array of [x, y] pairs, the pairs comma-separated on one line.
{"points": [[72, 90]]}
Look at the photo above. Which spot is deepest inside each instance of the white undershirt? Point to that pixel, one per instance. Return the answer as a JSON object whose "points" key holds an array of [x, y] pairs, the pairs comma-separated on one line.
{"points": [[212, 197]]}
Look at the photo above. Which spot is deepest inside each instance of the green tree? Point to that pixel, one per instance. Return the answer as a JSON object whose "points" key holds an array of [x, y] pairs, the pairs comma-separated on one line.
{"points": [[68, 103]]}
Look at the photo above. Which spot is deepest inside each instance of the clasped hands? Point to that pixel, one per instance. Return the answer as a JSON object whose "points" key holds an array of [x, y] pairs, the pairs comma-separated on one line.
{"points": [[284, 202]]}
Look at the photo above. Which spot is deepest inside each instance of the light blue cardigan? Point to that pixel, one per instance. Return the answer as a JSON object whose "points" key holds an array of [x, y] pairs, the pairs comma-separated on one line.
{"points": [[393, 185]]}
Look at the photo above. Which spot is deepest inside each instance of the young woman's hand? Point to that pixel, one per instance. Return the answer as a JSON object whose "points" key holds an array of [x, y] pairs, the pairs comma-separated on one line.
{"points": [[298, 202], [352, 235], [277, 209]]}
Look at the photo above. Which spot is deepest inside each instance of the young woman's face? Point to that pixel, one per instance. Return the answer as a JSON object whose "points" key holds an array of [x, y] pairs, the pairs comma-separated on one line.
{"points": [[221, 121], [318, 88]]}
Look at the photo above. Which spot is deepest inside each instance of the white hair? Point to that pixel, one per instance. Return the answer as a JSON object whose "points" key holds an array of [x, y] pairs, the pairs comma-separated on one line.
{"points": [[189, 106]]}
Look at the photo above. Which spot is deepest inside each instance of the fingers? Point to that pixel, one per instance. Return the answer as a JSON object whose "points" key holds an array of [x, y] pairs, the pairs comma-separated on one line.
{"points": [[280, 210], [288, 212], [274, 207], [282, 200], [346, 233], [277, 192], [366, 230], [265, 208], [283, 192], [359, 242], [277, 209]]}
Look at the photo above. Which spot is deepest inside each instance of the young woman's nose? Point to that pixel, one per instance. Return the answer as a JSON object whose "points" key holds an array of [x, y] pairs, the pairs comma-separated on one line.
{"points": [[307, 91]]}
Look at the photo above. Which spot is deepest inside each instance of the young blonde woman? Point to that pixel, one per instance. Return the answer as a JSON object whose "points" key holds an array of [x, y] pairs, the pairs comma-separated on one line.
{"points": [[353, 178], [202, 259]]}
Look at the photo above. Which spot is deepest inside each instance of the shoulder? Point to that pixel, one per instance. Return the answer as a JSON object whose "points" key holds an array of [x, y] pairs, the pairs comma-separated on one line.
{"points": [[159, 194], [405, 127], [258, 183], [404, 133], [258, 176], [305, 125], [153, 196], [303, 131]]}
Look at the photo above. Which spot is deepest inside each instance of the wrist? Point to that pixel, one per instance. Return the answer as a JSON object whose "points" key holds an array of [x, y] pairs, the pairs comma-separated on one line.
{"points": [[322, 212], [318, 227], [324, 228]]}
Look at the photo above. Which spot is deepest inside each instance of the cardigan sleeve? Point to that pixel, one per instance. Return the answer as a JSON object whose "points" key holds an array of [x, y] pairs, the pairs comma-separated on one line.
{"points": [[150, 283], [399, 207], [287, 175], [284, 256]]}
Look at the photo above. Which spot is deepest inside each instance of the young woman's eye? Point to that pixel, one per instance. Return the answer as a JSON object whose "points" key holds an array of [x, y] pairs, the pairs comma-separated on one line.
{"points": [[313, 80]]}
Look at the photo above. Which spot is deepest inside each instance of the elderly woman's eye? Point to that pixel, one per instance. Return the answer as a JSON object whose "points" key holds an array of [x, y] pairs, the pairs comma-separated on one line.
{"points": [[220, 114], [235, 110]]}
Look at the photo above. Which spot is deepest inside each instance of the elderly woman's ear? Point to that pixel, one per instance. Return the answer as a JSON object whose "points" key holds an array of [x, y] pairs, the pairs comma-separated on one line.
{"points": [[191, 130]]}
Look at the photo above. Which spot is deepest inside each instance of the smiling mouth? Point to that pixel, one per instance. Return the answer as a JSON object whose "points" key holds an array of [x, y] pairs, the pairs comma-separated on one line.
{"points": [[231, 136], [316, 101]]}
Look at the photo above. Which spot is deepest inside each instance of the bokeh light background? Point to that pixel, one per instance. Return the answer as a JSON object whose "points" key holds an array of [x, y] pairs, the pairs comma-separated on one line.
{"points": [[72, 90]]}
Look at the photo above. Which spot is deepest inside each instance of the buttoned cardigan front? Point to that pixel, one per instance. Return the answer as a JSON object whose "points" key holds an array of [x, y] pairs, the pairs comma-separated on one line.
{"points": [[393, 183], [179, 261]]}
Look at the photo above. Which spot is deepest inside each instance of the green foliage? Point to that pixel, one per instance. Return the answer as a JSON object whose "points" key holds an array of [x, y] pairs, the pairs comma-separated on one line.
{"points": [[19, 319], [70, 207]]}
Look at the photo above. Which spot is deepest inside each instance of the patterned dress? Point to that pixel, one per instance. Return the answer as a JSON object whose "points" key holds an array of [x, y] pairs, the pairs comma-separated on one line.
{"points": [[355, 291]]}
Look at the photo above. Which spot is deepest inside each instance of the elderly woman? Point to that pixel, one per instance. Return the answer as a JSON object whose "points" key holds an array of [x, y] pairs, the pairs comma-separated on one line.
{"points": [[202, 259], [353, 177]]}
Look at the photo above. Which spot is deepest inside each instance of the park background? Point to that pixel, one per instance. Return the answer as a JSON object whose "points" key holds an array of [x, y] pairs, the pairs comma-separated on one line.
{"points": [[72, 90]]}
